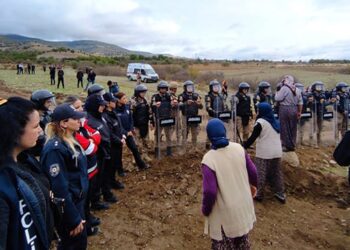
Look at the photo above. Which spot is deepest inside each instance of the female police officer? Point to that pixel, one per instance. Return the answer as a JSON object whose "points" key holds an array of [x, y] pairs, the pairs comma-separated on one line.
{"points": [[65, 163]]}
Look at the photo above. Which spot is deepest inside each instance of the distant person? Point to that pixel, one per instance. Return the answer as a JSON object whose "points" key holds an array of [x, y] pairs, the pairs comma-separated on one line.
{"points": [[17, 66], [52, 74], [29, 67], [21, 68], [60, 77], [268, 154], [80, 75], [290, 103], [138, 78], [33, 69], [229, 185], [44, 67], [90, 78], [113, 87]]}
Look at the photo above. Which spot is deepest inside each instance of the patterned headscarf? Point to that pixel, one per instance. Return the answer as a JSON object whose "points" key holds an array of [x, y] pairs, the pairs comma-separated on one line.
{"points": [[288, 81]]}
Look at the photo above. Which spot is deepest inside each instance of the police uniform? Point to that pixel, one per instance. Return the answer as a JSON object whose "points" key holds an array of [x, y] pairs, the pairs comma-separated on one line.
{"points": [[318, 108], [189, 109], [67, 172], [175, 114], [214, 103], [244, 113], [261, 97], [141, 117], [162, 112]]}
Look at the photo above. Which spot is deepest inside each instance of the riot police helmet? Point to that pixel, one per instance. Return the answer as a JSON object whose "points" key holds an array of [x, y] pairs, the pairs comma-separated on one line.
{"points": [[263, 85], [162, 85], [317, 86], [188, 86], [243, 85], [39, 98], [215, 86], [342, 86], [96, 89]]}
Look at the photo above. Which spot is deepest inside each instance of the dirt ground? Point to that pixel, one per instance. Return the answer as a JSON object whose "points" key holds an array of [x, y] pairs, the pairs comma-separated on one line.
{"points": [[160, 207]]}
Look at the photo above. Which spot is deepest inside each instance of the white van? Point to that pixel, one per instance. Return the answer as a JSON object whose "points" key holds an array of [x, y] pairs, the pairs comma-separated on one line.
{"points": [[146, 71]]}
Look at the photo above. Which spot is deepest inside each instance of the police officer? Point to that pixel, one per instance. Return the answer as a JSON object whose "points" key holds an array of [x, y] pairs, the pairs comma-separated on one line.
{"points": [[318, 100], [161, 105], [126, 119], [263, 94], [44, 101], [243, 110], [214, 102], [340, 96], [118, 136], [175, 110], [190, 103], [141, 115], [306, 108], [95, 106], [64, 162]]}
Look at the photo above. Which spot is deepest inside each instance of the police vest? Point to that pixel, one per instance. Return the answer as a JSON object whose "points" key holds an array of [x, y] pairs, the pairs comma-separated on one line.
{"points": [[164, 109], [243, 105], [189, 109], [216, 102], [141, 112]]}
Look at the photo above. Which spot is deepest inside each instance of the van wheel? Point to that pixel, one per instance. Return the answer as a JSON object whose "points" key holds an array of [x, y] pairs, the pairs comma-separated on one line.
{"points": [[129, 77], [145, 80]]}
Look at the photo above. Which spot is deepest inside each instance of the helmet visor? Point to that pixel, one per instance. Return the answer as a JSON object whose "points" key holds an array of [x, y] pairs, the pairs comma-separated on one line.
{"points": [[217, 88], [189, 88]]}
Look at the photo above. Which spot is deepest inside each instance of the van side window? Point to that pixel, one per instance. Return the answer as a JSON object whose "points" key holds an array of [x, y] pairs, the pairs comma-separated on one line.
{"points": [[136, 71], [143, 72]]}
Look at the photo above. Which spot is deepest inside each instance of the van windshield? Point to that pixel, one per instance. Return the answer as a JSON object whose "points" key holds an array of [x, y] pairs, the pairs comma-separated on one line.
{"points": [[149, 71]]}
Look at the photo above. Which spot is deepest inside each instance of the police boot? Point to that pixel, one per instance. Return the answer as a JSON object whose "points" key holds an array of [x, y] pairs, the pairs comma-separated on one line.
{"points": [[168, 151]]}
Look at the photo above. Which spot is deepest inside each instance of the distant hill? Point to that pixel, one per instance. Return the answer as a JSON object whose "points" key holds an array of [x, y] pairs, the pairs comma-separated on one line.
{"points": [[13, 41]]}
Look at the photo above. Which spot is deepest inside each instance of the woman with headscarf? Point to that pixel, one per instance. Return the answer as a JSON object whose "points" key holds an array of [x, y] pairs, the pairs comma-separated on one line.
{"points": [[229, 183], [290, 103], [268, 153]]}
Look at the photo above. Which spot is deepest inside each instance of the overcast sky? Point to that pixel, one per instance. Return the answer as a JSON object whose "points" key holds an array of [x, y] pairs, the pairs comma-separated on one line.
{"points": [[218, 29]]}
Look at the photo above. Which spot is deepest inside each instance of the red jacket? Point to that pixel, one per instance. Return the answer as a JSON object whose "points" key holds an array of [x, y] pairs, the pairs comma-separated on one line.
{"points": [[89, 139]]}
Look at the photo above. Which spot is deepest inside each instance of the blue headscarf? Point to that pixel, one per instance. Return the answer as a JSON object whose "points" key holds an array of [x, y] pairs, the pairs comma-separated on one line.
{"points": [[266, 113], [216, 132]]}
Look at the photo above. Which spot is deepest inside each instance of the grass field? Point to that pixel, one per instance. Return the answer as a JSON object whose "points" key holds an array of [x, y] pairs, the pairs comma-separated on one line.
{"points": [[235, 73], [42, 80]]}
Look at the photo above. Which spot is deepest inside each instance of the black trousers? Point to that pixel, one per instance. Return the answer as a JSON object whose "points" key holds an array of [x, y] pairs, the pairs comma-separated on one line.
{"points": [[77, 242], [52, 79], [116, 160], [96, 188], [130, 142], [89, 198], [81, 82], [60, 80]]}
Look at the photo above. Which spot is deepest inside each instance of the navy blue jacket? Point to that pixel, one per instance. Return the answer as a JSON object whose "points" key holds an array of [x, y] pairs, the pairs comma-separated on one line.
{"points": [[68, 176], [125, 115], [22, 210]]}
